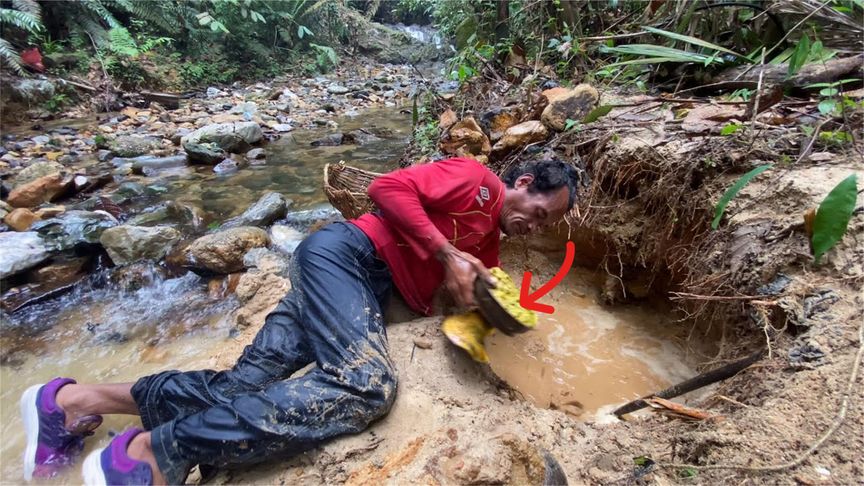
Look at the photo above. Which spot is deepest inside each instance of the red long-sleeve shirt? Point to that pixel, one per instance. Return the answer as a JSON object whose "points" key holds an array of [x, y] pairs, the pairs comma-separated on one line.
{"points": [[423, 207]]}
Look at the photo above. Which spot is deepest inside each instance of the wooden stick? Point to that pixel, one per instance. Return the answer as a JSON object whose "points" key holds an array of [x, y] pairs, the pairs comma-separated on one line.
{"points": [[694, 383]]}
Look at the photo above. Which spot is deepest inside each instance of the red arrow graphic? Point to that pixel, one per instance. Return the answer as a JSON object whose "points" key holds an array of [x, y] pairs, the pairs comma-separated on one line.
{"points": [[528, 300]]}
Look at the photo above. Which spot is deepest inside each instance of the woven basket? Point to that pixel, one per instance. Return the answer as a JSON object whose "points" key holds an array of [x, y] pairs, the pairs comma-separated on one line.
{"points": [[346, 188]]}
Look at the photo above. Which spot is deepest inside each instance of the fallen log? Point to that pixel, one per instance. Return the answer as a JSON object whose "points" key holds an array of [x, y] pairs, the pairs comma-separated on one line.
{"points": [[168, 100], [705, 379], [827, 72]]}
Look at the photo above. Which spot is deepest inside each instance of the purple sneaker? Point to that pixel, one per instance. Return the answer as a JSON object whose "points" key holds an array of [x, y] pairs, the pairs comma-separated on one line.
{"points": [[112, 466], [50, 445]]}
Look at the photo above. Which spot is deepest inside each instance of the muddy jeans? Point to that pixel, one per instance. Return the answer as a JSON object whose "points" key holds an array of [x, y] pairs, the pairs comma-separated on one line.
{"points": [[332, 316]]}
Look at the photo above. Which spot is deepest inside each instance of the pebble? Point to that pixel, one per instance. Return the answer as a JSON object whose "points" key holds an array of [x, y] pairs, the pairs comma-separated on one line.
{"points": [[423, 343], [225, 167], [337, 89], [256, 153], [283, 127]]}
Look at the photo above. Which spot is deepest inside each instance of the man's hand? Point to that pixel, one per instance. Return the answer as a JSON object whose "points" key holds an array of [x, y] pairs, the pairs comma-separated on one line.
{"points": [[460, 271]]}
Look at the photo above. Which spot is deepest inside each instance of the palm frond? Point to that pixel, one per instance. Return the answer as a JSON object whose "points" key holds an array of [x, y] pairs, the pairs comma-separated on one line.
{"points": [[10, 56], [96, 7], [28, 6], [22, 20], [669, 53]]}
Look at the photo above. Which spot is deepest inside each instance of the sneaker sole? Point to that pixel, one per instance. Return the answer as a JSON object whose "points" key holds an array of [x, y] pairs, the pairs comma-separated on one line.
{"points": [[92, 469], [30, 416]]}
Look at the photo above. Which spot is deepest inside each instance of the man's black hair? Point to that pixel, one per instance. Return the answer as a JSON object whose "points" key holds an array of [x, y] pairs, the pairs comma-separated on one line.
{"points": [[549, 176]]}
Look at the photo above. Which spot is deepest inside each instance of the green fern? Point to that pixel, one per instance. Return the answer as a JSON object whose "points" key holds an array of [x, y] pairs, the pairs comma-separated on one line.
{"points": [[101, 12], [120, 42], [10, 56], [21, 20], [24, 15], [30, 7]]}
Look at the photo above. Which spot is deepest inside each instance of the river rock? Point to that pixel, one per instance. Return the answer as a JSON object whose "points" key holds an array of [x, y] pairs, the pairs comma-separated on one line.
{"points": [[204, 153], [564, 104], [32, 91], [234, 137], [337, 89], [50, 212], [283, 127], [285, 238], [127, 243], [330, 140], [520, 135], [37, 170], [21, 251], [147, 164], [171, 212], [264, 260], [133, 146], [223, 252], [5, 209], [497, 121], [361, 137], [104, 155], [74, 228], [41, 139], [268, 208], [20, 219], [227, 166], [44, 189], [466, 137], [59, 271], [256, 153]]}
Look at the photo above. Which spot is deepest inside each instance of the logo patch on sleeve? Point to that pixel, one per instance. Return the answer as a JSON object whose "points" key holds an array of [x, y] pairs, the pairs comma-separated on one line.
{"points": [[483, 196]]}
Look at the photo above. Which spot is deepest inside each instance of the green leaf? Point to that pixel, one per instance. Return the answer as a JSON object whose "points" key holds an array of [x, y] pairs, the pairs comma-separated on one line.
{"points": [[833, 216], [733, 191], [827, 106], [303, 31], [644, 60], [650, 50], [799, 57], [832, 84], [692, 40], [731, 128], [597, 113], [568, 124], [828, 91]]}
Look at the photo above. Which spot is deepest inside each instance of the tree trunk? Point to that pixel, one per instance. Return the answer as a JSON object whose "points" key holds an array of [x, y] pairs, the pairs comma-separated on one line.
{"points": [[502, 26]]}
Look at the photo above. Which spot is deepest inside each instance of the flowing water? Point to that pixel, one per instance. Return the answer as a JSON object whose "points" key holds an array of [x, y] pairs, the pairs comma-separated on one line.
{"points": [[115, 331], [581, 358]]}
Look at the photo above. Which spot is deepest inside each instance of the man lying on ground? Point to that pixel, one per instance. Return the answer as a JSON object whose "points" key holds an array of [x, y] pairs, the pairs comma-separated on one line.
{"points": [[436, 223]]}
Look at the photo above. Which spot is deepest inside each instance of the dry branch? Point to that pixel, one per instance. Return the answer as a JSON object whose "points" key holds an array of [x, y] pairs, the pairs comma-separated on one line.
{"points": [[694, 383]]}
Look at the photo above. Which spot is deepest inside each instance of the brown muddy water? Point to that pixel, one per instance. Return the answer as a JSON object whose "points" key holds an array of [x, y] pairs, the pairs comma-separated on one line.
{"points": [[582, 359], [587, 358]]}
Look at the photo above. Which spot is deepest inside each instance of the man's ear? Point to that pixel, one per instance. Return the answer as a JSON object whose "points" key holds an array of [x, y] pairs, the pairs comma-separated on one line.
{"points": [[524, 180]]}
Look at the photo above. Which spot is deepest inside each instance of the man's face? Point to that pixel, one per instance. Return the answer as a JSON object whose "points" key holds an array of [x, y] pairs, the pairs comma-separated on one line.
{"points": [[524, 212]]}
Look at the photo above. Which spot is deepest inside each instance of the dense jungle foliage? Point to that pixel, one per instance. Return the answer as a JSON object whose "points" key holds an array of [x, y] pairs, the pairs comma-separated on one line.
{"points": [[180, 45]]}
